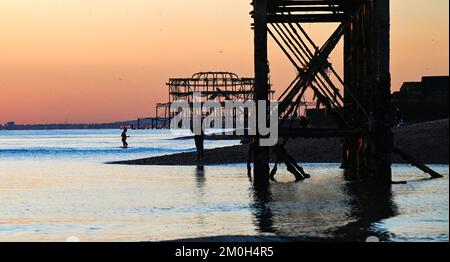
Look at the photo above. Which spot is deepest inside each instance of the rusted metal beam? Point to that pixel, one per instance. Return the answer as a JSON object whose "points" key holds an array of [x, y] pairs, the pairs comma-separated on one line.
{"points": [[414, 162], [316, 133], [308, 18], [320, 133]]}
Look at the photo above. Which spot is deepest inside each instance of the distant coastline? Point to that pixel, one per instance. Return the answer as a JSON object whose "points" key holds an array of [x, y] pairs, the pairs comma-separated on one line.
{"points": [[113, 125]]}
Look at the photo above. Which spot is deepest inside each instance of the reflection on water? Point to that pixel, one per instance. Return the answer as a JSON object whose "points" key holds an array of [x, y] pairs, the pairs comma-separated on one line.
{"points": [[368, 205], [53, 200], [200, 176], [262, 212], [330, 208], [54, 185]]}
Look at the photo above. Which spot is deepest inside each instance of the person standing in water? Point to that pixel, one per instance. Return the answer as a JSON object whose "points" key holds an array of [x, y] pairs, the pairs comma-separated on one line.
{"points": [[124, 138], [199, 144]]}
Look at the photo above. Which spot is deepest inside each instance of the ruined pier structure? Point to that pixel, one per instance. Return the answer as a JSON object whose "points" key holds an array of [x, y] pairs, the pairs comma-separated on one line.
{"points": [[212, 86], [359, 100]]}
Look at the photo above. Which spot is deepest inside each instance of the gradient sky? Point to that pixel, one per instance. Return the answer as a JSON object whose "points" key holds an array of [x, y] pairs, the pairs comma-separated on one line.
{"points": [[84, 61]]}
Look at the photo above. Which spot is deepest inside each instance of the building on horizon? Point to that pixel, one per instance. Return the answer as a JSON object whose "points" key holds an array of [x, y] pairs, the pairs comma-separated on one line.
{"points": [[422, 101]]}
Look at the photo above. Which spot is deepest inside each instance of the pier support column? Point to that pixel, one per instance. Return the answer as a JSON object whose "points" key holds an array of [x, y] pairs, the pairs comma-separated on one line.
{"points": [[367, 76], [261, 154]]}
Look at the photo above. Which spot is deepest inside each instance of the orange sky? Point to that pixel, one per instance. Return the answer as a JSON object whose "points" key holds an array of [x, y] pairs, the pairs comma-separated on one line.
{"points": [[107, 60]]}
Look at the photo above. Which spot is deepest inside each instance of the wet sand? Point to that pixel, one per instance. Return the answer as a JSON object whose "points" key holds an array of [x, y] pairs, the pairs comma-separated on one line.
{"points": [[428, 142]]}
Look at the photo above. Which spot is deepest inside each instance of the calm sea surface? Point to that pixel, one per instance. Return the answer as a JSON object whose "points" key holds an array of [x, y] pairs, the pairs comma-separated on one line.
{"points": [[54, 185]]}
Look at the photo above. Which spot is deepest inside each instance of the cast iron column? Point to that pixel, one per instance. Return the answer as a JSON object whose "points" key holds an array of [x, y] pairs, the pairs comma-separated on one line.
{"points": [[261, 154]]}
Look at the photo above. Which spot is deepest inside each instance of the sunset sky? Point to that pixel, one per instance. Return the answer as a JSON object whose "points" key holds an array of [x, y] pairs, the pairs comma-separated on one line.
{"points": [[84, 61]]}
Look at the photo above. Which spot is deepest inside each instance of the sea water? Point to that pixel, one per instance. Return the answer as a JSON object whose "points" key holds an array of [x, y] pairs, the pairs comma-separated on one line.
{"points": [[55, 185]]}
